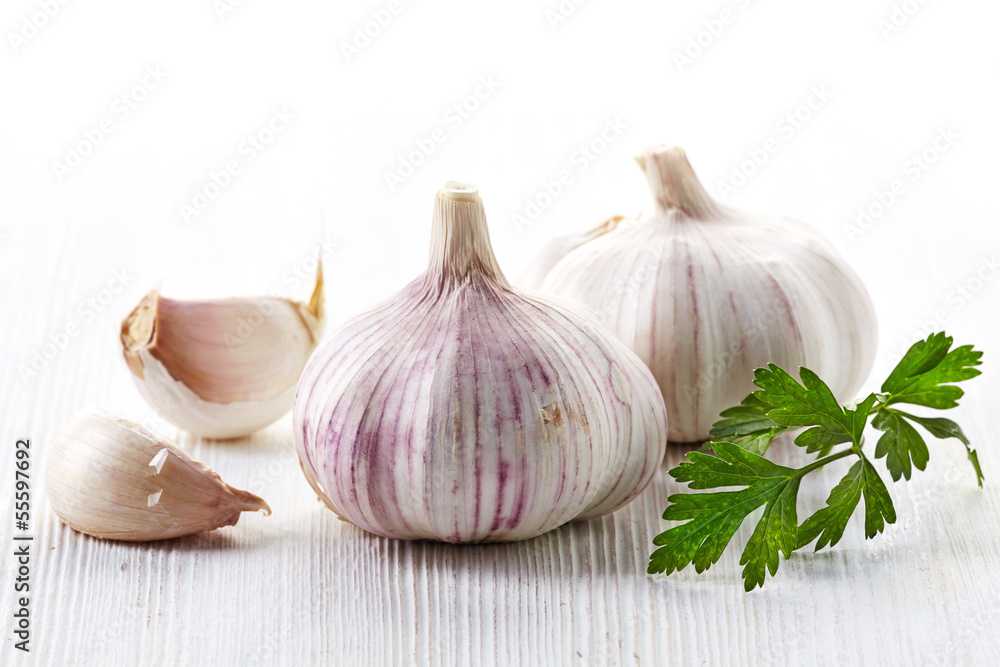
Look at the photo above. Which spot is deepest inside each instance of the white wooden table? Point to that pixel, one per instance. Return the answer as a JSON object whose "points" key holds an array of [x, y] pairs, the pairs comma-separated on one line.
{"points": [[302, 587]]}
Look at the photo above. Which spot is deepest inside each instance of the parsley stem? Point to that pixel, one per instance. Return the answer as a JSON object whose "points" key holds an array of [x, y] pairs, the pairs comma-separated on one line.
{"points": [[819, 463]]}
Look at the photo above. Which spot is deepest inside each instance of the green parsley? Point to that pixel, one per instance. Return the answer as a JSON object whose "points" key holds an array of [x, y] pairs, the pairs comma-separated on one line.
{"points": [[923, 377]]}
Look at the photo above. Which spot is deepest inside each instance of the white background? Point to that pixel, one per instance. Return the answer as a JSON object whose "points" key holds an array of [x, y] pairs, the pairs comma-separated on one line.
{"points": [[892, 88]]}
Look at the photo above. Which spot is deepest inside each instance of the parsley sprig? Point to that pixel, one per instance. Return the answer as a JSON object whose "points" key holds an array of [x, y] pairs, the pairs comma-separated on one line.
{"points": [[925, 377]]}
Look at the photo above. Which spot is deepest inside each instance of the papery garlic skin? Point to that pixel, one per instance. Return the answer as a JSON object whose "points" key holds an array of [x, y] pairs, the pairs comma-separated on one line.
{"points": [[705, 294], [222, 368], [552, 252], [463, 410], [112, 478]]}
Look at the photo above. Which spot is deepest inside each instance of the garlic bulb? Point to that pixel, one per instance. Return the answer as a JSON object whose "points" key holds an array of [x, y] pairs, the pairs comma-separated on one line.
{"points": [[705, 294], [111, 478], [225, 368], [463, 410]]}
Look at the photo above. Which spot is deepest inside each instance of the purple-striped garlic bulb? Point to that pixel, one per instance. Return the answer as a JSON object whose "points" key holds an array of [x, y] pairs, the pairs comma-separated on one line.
{"points": [[465, 410], [704, 294]]}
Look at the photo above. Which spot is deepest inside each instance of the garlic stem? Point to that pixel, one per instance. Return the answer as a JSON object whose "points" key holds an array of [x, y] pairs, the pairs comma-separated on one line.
{"points": [[460, 240], [675, 185]]}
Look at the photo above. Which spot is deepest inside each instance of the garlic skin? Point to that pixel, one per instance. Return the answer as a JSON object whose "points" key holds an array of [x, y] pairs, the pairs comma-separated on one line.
{"points": [[464, 410], [223, 368], [553, 251], [705, 294], [113, 479]]}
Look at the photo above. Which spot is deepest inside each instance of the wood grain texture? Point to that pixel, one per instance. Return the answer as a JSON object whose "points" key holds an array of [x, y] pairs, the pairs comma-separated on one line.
{"points": [[301, 587]]}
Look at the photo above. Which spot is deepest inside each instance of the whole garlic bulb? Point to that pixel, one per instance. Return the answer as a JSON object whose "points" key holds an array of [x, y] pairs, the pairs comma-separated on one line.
{"points": [[112, 478], [221, 368], [704, 294], [464, 410]]}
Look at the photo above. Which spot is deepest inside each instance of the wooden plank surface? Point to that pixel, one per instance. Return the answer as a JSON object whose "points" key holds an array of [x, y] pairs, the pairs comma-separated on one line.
{"points": [[301, 587]]}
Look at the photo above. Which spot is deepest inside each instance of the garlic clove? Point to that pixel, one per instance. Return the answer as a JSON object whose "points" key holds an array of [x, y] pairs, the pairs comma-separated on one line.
{"points": [[704, 294], [465, 410], [557, 248], [222, 368], [114, 479]]}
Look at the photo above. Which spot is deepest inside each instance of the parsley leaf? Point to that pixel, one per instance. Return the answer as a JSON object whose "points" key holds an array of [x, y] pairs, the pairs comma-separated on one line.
{"points": [[900, 444], [713, 518], [943, 428], [747, 425], [829, 523], [807, 404], [925, 376], [776, 531], [878, 504], [810, 404]]}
